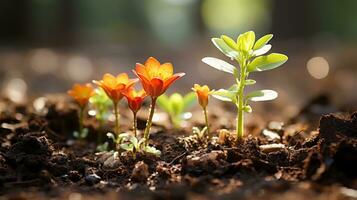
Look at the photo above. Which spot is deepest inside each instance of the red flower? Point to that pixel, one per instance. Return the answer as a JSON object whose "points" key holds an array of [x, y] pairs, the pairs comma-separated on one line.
{"points": [[156, 78], [135, 98]]}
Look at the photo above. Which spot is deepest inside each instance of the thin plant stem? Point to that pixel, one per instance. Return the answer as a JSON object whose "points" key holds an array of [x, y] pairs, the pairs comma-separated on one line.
{"points": [[100, 128], [81, 118], [240, 104], [149, 121], [117, 118], [207, 124], [135, 122]]}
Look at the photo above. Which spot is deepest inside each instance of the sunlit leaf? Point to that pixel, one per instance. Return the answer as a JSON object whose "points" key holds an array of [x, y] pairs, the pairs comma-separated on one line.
{"points": [[262, 50], [225, 95], [247, 109], [164, 103], [262, 95], [233, 88], [219, 64], [262, 41], [127, 146], [176, 100], [230, 42], [152, 150], [246, 41], [189, 100], [268, 62], [224, 48]]}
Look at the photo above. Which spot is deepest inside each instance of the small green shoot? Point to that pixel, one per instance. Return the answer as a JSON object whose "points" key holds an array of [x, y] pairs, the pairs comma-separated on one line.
{"points": [[81, 134], [101, 103], [103, 147], [129, 142], [176, 106], [249, 54]]}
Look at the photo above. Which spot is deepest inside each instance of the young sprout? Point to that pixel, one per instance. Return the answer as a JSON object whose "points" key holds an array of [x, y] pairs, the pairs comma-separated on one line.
{"points": [[155, 79], [176, 105], [101, 103], [135, 100], [81, 93], [132, 144], [203, 93], [248, 53], [114, 87]]}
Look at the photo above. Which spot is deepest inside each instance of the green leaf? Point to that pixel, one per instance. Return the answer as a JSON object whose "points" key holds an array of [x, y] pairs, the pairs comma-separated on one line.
{"points": [[133, 140], [219, 64], [224, 48], [164, 103], [225, 95], [262, 95], [246, 41], [247, 109], [262, 50], [250, 82], [230, 42], [233, 88], [103, 147], [263, 63], [127, 146], [262, 41], [152, 150], [189, 100], [177, 103]]}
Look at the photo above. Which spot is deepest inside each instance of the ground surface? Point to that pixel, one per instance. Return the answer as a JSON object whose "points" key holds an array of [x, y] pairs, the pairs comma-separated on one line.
{"points": [[40, 160]]}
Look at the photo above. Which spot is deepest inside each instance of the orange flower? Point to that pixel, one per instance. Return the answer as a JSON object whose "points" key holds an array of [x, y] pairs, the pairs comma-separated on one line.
{"points": [[156, 78], [115, 86], [81, 93], [202, 93], [135, 98]]}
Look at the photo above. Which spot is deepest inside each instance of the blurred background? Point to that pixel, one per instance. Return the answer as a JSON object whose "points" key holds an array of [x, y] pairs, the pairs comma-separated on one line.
{"points": [[47, 45]]}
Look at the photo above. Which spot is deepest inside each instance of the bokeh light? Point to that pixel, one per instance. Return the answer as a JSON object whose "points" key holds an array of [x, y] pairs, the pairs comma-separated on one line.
{"points": [[318, 67], [79, 68], [235, 16]]}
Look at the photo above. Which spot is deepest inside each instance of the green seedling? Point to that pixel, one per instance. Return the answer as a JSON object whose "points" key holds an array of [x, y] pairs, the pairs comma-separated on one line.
{"points": [[103, 147], [176, 106], [249, 54], [129, 142], [101, 104], [81, 134]]}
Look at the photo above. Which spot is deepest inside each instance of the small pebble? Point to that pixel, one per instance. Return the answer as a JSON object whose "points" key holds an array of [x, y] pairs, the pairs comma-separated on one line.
{"points": [[271, 135], [140, 172], [268, 148], [274, 125], [92, 179]]}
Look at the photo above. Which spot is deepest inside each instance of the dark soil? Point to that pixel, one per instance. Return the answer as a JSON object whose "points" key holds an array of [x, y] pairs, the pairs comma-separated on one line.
{"points": [[39, 159]]}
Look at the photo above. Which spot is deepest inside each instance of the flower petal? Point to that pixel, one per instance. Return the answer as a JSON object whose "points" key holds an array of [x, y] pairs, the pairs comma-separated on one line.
{"points": [[157, 87], [122, 78], [144, 82], [152, 67], [140, 68], [172, 79], [166, 70], [109, 80]]}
